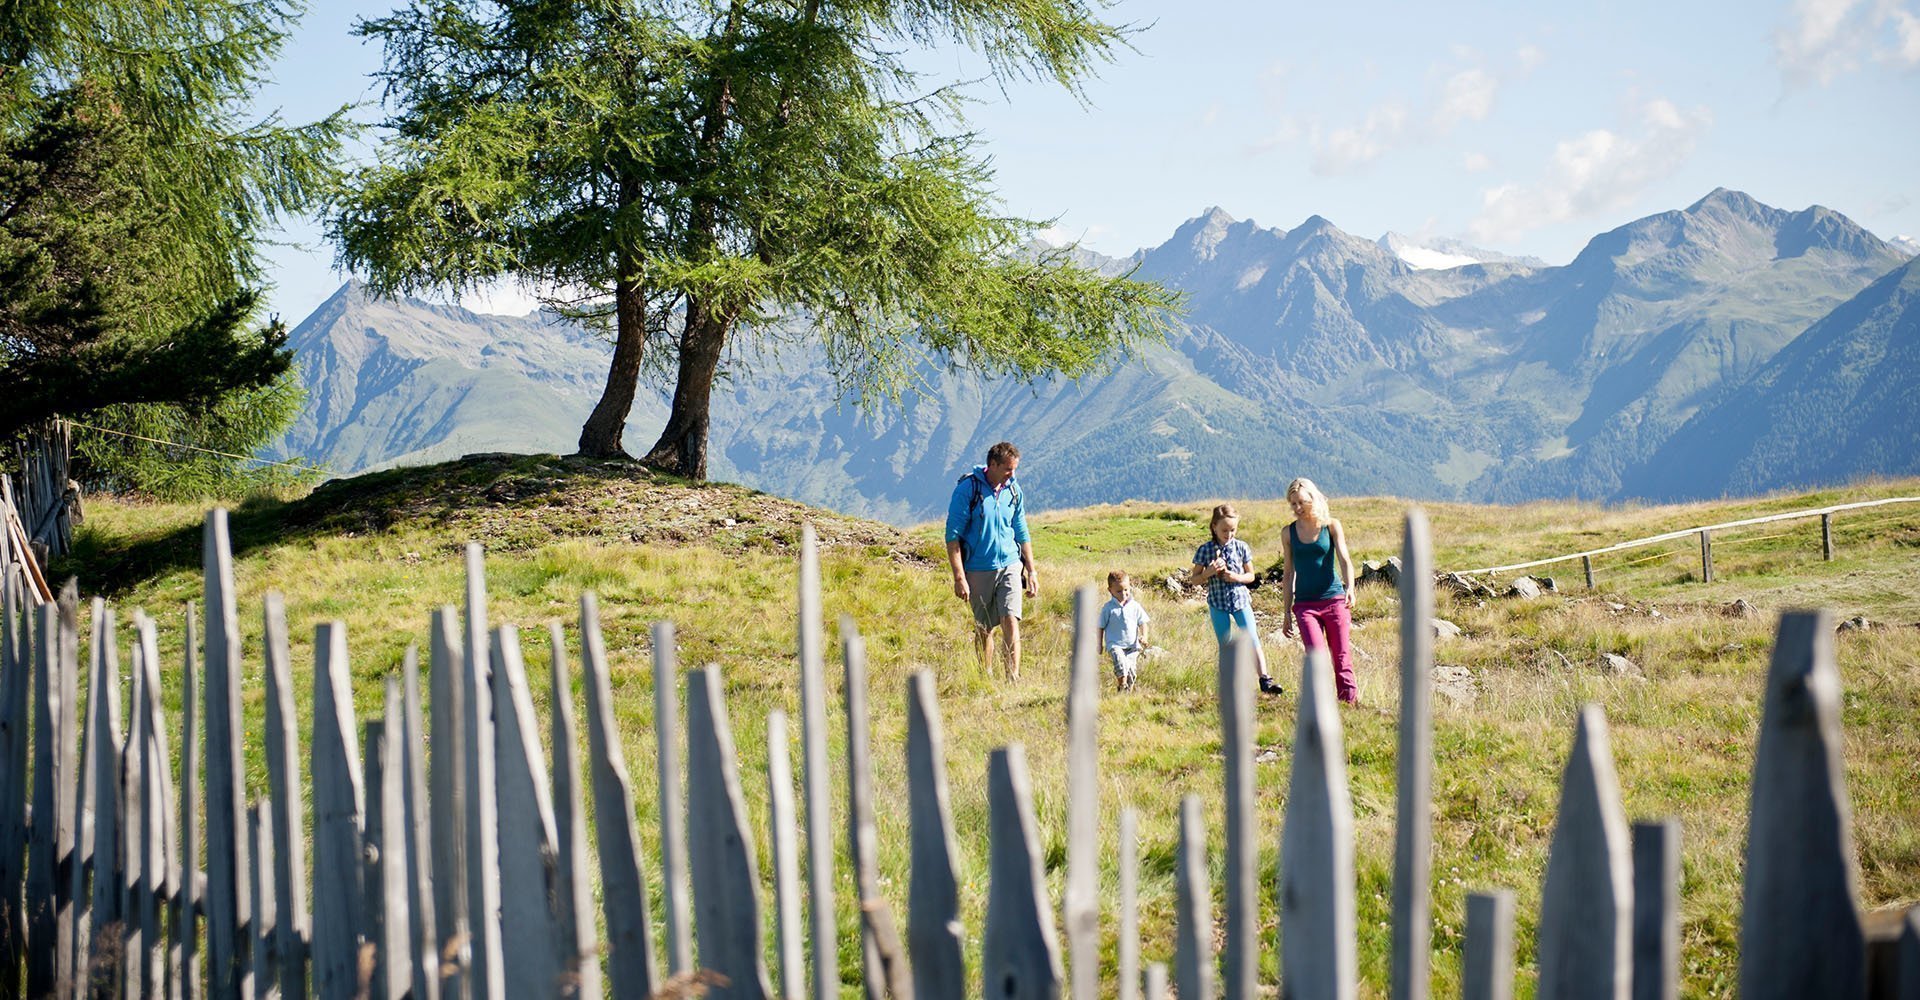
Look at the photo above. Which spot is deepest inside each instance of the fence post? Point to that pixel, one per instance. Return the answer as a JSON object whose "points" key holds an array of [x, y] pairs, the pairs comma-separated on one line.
{"points": [[134, 837], [1235, 677], [1656, 910], [156, 825], [448, 798], [337, 831], [1129, 943], [1706, 556], [673, 805], [1080, 903], [1800, 932], [1156, 981], [1908, 977], [786, 858], [1193, 909], [421, 919], [1586, 904], [813, 736], [1019, 951], [389, 826], [1826, 536], [260, 885], [15, 683], [229, 916], [483, 841], [1486, 971], [98, 878], [725, 878], [623, 886], [883, 968], [578, 934], [1317, 950], [933, 902], [50, 903], [292, 914], [184, 963], [529, 845], [1413, 812], [1586, 566]]}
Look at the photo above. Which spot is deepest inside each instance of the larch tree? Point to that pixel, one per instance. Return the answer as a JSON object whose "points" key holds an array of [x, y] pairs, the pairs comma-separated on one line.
{"points": [[688, 170]]}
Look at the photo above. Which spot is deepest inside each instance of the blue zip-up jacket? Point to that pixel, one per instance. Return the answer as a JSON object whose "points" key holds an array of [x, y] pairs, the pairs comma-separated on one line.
{"points": [[990, 532]]}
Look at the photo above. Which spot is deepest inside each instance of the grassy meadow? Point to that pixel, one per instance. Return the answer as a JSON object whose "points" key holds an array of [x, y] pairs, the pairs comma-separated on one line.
{"points": [[380, 559]]}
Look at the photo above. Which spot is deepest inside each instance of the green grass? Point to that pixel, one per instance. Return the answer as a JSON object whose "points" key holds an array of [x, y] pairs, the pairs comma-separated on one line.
{"points": [[379, 556]]}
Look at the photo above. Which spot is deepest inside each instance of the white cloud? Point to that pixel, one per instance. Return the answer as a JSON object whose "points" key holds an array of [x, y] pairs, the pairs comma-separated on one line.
{"points": [[1598, 172], [1467, 96], [1476, 162], [1828, 38], [1346, 150], [1531, 57], [1907, 28]]}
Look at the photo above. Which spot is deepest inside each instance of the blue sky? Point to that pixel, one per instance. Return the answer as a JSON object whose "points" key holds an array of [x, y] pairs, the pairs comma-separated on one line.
{"points": [[1521, 127]]}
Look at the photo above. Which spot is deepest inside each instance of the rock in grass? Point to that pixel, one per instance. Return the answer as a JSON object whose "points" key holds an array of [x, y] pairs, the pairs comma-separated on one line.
{"points": [[1858, 623], [1455, 683], [1381, 572], [1444, 629], [1741, 608], [1620, 666], [1524, 587]]}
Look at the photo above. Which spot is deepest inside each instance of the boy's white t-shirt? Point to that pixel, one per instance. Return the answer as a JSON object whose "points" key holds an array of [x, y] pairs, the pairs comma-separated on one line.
{"points": [[1122, 622]]}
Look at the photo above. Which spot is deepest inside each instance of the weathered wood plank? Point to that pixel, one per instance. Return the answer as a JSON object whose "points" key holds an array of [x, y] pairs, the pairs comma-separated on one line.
{"points": [[1408, 971], [725, 877], [447, 791], [579, 933], [1486, 971], [1586, 566], [675, 887], [786, 859], [157, 835], [529, 844], [1586, 904], [184, 962], [883, 972], [819, 783], [229, 905], [287, 803], [1193, 908], [98, 880], [389, 924], [1826, 537], [1156, 981], [1656, 910], [1317, 949], [51, 844], [1706, 556], [1800, 932], [1019, 951], [1129, 943], [934, 931], [483, 843], [337, 823], [260, 886], [623, 886], [16, 685], [1909, 972], [422, 922], [1080, 900], [1235, 679], [134, 837]]}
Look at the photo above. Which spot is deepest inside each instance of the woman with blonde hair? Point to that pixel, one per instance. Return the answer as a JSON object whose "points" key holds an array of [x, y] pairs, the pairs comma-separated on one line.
{"points": [[1225, 564], [1316, 583]]}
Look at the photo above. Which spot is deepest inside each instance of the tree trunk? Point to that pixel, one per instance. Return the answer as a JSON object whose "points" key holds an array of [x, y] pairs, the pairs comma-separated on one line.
{"points": [[682, 448], [600, 437]]}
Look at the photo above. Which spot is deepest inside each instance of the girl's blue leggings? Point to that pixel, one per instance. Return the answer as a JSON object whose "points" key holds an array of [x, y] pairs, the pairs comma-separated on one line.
{"points": [[1223, 622]]}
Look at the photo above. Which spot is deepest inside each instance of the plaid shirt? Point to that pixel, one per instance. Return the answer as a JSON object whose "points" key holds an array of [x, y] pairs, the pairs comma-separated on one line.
{"points": [[1239, 558]]}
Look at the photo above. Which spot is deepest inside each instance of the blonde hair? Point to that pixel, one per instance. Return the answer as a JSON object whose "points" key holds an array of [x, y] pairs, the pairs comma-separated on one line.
{"points": [[1304, 489], [1221, 513], [1117, 578]]}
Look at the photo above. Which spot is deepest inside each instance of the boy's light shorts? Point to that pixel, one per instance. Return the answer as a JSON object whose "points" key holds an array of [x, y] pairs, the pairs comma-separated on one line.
{"points": [[994, 594], [1126, 660]]}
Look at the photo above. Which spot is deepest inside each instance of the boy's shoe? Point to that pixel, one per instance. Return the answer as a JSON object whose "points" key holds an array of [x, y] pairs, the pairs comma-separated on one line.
{"points": [[1270, 686]]}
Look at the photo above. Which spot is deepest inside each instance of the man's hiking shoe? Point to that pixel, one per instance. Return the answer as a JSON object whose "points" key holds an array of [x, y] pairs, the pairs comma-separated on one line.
{"points": [[1270, 686]]}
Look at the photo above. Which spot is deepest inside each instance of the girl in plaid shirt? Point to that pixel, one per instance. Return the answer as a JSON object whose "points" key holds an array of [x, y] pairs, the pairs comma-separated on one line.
{"points": [[1225, 564]]}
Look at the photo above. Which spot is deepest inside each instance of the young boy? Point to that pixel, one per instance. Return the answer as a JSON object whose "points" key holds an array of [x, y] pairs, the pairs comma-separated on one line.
{"points": [[1123, 630]]}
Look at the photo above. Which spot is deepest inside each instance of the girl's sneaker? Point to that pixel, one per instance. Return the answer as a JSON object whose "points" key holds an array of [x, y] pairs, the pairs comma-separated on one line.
{"points": [[1270, 686]]}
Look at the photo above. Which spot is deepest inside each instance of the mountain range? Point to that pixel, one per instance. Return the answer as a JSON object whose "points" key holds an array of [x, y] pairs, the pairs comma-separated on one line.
{"points": [[1728, 347]]}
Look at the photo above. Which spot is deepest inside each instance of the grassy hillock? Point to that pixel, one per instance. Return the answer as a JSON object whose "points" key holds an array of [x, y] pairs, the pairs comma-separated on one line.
{"points": [[379, 552]]}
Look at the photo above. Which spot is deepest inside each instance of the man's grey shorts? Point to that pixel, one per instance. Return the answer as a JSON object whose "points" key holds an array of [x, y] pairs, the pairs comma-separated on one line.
{"points": [[994, 594]]}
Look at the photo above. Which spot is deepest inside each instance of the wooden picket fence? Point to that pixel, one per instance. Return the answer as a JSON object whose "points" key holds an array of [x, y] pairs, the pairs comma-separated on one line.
{"points": [[451, 859]]}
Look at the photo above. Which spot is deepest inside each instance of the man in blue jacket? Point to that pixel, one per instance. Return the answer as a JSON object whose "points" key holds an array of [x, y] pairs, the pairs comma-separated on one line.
{"points": [[990, 552]]}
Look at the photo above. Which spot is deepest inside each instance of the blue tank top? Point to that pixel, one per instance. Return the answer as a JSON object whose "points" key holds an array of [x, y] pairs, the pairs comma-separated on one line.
{"points": [[1315, 575]]}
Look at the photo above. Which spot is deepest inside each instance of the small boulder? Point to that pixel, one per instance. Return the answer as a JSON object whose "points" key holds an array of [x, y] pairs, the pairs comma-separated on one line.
{"points": [[1524, 587], [1463, 585], [1381, 572], [1741, 608], [1454, 683], [1620, 666], [1858, 623], [1444, 629], [1548, 585]]}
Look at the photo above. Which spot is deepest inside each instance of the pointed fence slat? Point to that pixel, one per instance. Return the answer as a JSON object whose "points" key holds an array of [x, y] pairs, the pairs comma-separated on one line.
{"points": [[934, 930], [51, 841], [100, 879], [786, 859], [488, 981], [1129, 943], [579, 948], [261, 887], [1235, 679], [1080, 902], [16, 685], [884, 968], [675, 885], [229, 905], [819, 783], [292, 915], [447, 791], [388, 924], [1413, 765], [184, 963], [134, 836], [529, 844], [1800, 932], [1486, 970], [1656, 910], [725, 878], [1019, 951], [1586, 904], [157, 832], [1317, 949], [1193, 907], [421, 919], [337, 824], [623, 887]]}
